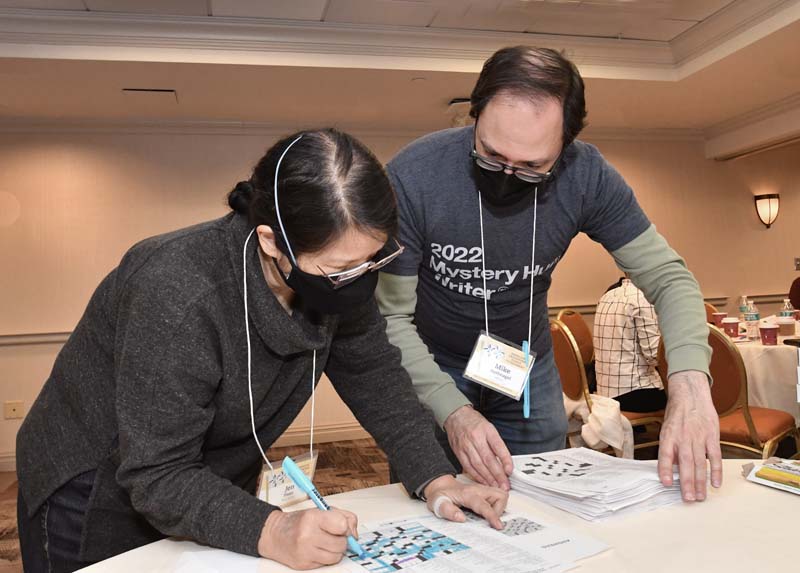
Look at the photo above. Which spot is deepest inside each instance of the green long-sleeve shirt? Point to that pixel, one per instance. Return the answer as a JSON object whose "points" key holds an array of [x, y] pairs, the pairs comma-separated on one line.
{"points": [[653, 266], [462, 253]]}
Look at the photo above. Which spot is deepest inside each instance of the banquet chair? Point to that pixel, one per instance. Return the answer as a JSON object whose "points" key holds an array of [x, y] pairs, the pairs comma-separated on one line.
{"points": [[710, 310], [581, 332], [750, 428], [569, 363]]}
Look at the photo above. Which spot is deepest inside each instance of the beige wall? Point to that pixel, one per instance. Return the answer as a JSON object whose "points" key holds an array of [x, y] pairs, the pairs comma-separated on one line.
{"points": [[705, 210], [72, 203]]}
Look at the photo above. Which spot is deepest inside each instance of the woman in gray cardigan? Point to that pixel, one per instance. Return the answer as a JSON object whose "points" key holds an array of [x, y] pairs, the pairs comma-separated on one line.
{"points": [[199, 350]]}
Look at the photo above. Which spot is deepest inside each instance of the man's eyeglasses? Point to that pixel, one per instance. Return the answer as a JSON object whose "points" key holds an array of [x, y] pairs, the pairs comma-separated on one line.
{"points": [[527, 175], [342, 278]]}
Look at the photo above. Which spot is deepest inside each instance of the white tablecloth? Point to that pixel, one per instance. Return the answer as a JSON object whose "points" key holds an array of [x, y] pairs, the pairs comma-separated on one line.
{"points": [[771, 375], [742, 527]]}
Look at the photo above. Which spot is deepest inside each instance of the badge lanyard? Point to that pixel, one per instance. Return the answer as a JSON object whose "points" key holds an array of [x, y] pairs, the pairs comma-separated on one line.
{"points": [[526, 408], [274, 486]]}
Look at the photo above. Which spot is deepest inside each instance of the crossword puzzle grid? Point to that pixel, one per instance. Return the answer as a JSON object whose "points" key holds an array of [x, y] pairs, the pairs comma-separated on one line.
{"points": [[520, 526], [554, 468], [395, 548], [511, 527]]}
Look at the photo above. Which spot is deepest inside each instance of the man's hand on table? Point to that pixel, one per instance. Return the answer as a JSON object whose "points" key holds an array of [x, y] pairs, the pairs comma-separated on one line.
{"points": [[446, 495], [307, 539], [479, 448], [690, 434]]}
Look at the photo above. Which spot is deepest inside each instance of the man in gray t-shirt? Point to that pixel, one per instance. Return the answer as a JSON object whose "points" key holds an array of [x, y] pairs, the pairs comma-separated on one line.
{"points": [[472, 201]]}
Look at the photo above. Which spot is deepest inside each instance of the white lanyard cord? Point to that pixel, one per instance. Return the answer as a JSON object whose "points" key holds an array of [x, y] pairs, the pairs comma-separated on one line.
{"points": [[533, 268], [483, 268], [313, 387], [249, 364], [249, 368]]}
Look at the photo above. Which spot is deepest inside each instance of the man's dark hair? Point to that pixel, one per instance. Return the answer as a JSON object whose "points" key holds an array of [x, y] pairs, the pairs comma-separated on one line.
{"points": [[535, 73], [328, 183]]}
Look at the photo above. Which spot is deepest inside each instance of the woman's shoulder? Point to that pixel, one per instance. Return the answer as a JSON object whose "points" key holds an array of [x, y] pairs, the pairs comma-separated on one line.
{"points": [[192, 258]]}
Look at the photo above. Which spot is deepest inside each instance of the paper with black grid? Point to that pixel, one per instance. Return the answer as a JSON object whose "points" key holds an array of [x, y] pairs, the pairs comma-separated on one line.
{"points": [[592, 485], [427, 543]]}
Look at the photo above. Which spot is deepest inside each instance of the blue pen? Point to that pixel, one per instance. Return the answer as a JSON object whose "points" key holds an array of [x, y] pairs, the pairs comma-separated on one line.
{"points": [[301, 480], [526, 403]]}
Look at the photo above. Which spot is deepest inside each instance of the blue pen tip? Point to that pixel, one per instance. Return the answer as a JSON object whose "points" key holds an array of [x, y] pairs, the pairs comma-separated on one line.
{"points": [[354, 546]]}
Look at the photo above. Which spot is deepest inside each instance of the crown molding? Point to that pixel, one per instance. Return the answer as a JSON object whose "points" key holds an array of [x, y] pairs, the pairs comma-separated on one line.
{"points": [[186, 127], [774, 109], [736, 26], [758, 130], [247, 41]]}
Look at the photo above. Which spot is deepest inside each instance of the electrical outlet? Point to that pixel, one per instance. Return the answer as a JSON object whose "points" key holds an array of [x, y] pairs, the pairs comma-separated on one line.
{"points": [[13, 409], [797, 263]]}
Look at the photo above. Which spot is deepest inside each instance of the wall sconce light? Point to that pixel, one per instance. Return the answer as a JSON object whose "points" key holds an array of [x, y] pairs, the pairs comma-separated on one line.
{"points": [[767, 207]]}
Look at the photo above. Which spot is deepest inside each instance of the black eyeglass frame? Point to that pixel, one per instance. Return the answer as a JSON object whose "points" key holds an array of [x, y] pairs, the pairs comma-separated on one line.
{"points": [[527, 175]]}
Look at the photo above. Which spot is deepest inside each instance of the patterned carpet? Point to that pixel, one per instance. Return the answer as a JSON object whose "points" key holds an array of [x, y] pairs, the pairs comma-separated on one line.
{"points": [[342, 466], [9, 540]]}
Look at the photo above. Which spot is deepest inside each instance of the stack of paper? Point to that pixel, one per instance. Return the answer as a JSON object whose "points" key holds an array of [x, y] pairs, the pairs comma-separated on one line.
{"points": [[592, 485]]}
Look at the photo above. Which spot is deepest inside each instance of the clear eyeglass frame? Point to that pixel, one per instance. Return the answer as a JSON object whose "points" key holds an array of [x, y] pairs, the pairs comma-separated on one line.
{"points": [[343, 278]]}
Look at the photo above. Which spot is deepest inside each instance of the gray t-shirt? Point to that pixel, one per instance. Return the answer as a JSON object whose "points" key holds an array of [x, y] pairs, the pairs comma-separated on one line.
{"points": [[440, 228]]}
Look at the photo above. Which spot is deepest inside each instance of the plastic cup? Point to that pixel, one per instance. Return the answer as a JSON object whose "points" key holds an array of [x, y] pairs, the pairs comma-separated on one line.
{"points": [[785, 326], [769, 334], [731, 326], [717, 317]]}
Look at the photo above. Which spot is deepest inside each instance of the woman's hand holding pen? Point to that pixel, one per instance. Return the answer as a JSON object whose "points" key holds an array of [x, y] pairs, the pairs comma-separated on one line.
{"points": [[446, 495], [307, 539]]}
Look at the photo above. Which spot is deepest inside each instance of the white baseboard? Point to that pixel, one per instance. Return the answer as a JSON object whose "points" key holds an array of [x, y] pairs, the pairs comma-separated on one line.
{"points": [[328, 433], [8, 461]]}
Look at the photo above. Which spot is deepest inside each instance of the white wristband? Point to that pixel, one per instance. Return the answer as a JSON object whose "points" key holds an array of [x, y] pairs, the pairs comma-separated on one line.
{"points": [[437, 503]]}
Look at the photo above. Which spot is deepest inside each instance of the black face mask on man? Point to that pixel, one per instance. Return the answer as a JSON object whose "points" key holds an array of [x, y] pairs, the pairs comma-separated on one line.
{"points": [[501, 189]]}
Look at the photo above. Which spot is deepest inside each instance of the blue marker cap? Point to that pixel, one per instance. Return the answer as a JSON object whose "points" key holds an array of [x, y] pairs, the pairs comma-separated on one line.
{"points": [[526, 404], [301, 480], [298, 477]]}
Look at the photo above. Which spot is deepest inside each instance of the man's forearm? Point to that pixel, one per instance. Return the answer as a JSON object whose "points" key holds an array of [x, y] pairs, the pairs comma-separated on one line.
{"points": [[662, 275], [397, 299]]}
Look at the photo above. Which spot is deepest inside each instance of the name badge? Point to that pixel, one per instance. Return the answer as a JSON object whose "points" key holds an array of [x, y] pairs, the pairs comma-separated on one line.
{"points": [[276, 488], [499, 365]]}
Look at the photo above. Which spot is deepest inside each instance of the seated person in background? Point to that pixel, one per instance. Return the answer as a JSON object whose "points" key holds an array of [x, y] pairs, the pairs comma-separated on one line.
{"points": [[626, 339]]}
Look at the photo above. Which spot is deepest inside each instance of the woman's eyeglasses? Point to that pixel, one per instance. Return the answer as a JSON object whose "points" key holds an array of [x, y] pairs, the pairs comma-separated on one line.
{"points": [[342, 278]]}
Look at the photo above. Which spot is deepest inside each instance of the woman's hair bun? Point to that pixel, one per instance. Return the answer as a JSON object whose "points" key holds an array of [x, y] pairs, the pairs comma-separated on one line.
{"points": [[240, 197]]}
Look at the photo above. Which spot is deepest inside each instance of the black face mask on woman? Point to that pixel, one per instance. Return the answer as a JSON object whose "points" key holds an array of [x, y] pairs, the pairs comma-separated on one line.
{"points": [[316, 292], [501, 189]]}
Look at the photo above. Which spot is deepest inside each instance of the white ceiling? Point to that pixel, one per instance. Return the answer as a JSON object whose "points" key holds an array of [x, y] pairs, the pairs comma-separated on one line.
{"points": [[389, 64], [661, 20]]}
